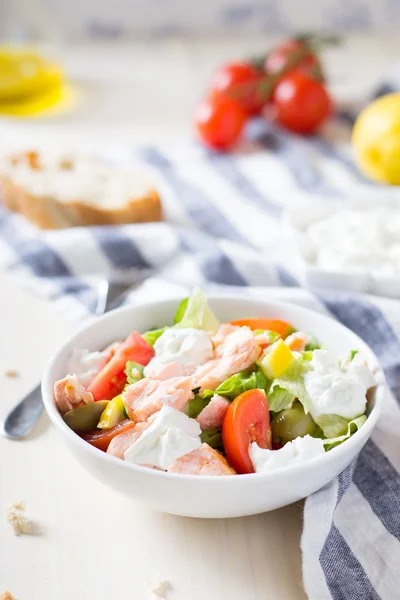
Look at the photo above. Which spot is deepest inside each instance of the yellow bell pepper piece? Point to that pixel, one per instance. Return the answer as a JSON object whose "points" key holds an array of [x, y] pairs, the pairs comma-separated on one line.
{"points": [[277, 360], [113, 413]]}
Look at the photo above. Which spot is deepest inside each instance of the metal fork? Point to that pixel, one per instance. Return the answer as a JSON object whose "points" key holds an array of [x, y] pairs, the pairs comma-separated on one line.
{"points": [[23, 417]]}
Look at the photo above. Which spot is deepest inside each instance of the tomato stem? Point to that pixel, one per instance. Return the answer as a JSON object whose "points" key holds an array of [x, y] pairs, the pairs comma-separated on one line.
{"points": [[266, 84]]}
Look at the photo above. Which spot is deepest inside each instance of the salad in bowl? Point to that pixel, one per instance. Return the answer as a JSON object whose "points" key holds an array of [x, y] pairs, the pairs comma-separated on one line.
{"points": [[203, 397]]}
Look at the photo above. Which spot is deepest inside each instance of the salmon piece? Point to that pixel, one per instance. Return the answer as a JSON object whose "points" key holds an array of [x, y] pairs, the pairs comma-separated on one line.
{"points": [[69, 393], [204, 371], [297, 341], [203, 461], [147, 396], [213, 414], [223, 331], [120, 444], [160, 372], [237, 352]]}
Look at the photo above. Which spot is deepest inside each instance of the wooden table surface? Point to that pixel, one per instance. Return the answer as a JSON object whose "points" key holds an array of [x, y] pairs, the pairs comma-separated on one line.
{"points": [[93, 543]]}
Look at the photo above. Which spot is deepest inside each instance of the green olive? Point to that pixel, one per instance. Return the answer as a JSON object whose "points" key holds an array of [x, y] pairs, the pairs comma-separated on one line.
{"points": [[292, 423], [85, 418]]}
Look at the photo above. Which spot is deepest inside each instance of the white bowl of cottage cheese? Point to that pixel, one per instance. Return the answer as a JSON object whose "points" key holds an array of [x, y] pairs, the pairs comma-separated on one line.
{"points": [[353, 245]]}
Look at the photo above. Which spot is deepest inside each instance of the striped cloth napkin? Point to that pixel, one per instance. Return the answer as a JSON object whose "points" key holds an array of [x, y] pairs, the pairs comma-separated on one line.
{"points": [[223, 229]]}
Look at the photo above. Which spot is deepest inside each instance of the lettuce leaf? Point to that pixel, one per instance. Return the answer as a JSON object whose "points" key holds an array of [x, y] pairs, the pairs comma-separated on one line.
{"points": [[194, 406], [196, 313], [293, 382], [272, 335], [352, 427], [312, 343], [212, 437], [181, 311], [332, 425], [133, 372], [249, 379], [280, 399], [152, 336]]}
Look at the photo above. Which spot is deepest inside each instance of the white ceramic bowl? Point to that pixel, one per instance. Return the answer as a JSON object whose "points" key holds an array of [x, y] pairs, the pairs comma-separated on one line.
{"points": [[211, 497], [297, 220]]}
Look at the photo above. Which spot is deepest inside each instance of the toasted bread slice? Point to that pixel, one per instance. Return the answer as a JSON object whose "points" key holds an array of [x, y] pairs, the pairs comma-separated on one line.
{"points": [[53, 193]]}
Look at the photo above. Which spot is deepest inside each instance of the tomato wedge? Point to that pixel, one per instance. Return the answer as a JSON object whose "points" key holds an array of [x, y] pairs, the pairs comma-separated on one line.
{"points": [[110, 381], [101, 438], [246, 421], [281, 327]]}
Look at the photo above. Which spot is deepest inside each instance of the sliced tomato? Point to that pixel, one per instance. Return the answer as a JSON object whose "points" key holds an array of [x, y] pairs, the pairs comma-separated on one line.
{"points": [[276, 325], [110, 381], [246, 421], [101, 438]]}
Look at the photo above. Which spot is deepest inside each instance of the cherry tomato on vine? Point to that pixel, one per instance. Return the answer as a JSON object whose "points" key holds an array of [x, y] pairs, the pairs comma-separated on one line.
{"points": [[280, 58], [239, 80], [219, 122], [301, 103]]}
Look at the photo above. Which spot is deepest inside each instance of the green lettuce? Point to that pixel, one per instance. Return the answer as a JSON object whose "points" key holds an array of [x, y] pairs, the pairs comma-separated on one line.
{"points": [[352, 427], [280, 399], [249, 379], [212, 437], [194, 406], [312, 343], [152, 336], [196, 313], [332, 425], [181, 311], [272, 335], [133, 372], [292, 381]]}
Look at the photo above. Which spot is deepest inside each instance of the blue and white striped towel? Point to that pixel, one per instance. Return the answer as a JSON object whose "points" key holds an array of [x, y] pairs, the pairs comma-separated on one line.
{"points": [[223, 230]]}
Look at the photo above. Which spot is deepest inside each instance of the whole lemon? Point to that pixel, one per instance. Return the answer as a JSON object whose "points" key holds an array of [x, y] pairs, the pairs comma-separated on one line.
{"points": [[376, 139]]}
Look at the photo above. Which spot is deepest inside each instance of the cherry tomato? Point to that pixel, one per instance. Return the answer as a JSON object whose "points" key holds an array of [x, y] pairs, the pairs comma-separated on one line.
{"points": [[301, 103], [281, 57], [239, 81], [110, 381], [246, 421], [219, 121], [101, 438], [276, 325]]}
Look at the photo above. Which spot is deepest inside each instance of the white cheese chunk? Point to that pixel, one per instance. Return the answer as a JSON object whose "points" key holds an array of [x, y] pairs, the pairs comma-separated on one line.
{"points": [[335, 389], [181, 346], [293, 453], [171, 435]]}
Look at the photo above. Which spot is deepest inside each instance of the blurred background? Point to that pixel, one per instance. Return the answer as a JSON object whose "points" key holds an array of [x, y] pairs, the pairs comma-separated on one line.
{"points": [[137, 69], [163, 18]]}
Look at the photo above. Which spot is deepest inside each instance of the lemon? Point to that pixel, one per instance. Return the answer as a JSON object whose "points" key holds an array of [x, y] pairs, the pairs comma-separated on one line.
{"points": [[376, 139], [28, 83]]}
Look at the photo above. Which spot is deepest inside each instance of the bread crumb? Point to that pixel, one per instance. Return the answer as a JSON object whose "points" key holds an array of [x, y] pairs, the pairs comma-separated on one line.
{"points": [[33, 159], [7, 596], [66, 164], [11, 373], [18, 521], [161, 588]]}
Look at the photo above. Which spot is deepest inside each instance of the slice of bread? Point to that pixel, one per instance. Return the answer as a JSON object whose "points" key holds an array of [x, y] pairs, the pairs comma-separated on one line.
{"points": [[57, 192]]}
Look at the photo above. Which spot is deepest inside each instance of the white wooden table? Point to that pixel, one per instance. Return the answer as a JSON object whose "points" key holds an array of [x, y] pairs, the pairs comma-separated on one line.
{"points": [[94, 544]]}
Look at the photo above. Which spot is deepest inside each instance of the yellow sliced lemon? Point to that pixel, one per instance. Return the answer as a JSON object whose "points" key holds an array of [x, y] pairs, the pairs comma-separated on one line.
{"points": [[28, 83]]}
